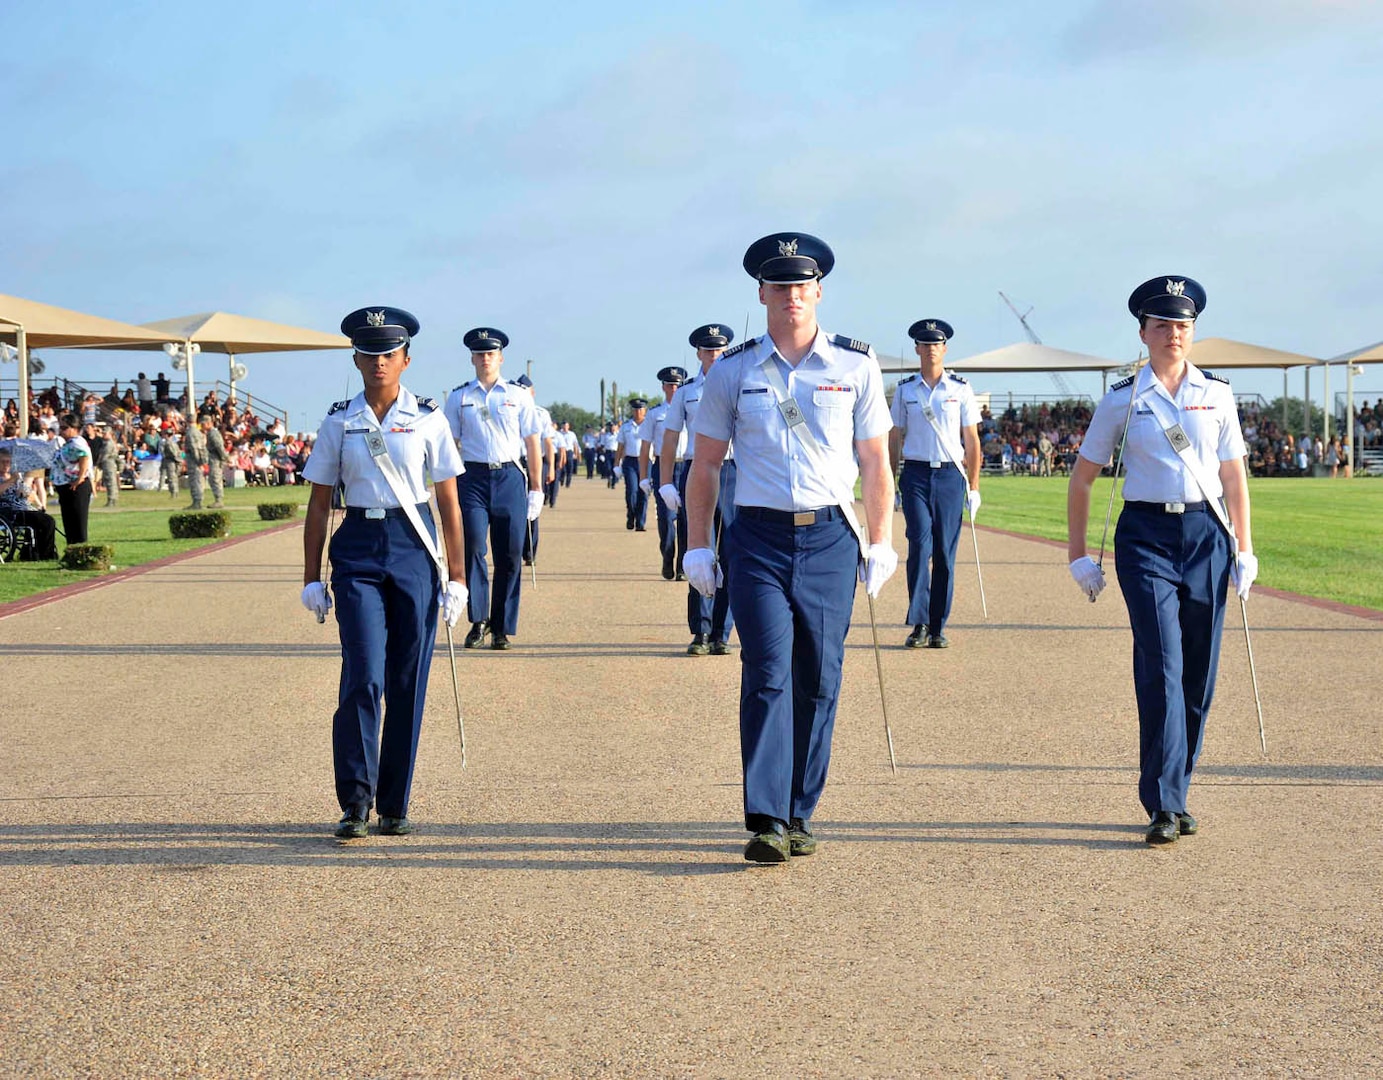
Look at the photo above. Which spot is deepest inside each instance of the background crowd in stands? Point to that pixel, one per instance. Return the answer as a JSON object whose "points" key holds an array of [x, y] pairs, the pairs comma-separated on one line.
{"points": [[143, 420]]}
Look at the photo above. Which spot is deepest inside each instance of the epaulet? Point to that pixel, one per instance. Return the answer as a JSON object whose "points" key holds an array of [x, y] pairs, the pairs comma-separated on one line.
{"points": [[956, 378], [907, 380], [462, 386], [338, 407], [1213, 377], [850, 343], [430, 404], [1123, 383], [740, 347]]}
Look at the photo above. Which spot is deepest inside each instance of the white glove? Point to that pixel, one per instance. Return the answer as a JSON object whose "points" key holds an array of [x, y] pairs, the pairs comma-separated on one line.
{"points": [[673, 501], [1244, 571], [880, 560], [1088, 576], [702, 570], [316, 600], [646, 486], [453, 596], [535, 505], [972, 500]]}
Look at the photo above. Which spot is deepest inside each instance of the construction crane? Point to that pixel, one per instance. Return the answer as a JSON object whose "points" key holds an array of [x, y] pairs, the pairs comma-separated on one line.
{"points": [[1061, 384]]}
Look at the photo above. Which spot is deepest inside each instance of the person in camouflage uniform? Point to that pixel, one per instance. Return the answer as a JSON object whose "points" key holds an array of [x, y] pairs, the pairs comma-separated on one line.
{"points": [[217, 459]]}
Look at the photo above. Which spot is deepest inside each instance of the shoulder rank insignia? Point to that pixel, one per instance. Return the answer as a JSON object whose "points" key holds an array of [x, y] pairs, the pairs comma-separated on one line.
{"points": [[956, 378], [740, 347], [853, 344], [1122, 384], [909, 379], [338, 407], [1213, 377], [430, 404], [462, 386]]}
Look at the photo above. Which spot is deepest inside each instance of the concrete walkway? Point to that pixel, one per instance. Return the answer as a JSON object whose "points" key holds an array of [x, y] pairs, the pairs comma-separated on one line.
{"points": [[171, 902]]}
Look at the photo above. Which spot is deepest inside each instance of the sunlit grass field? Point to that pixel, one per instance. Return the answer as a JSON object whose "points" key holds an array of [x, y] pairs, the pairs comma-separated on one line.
{"points": [[1320, 538], [138, 530]]}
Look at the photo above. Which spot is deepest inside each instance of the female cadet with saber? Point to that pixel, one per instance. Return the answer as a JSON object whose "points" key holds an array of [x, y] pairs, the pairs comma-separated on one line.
{"points": [[379, 445], [1174, 544]]}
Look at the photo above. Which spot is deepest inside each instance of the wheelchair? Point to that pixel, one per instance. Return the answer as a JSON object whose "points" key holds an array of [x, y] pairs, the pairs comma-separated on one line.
{"points": [[15, 539]]}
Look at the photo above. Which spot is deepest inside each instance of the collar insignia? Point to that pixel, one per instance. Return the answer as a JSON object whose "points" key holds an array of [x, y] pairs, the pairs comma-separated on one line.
{"points": [[374, 318], [787, 247], [1175, 288]]}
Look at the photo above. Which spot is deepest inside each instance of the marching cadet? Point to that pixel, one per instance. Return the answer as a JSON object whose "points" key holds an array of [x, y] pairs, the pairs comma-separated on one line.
{"points": [[609, 443], [635, 497], [494, 423], [709, 618], [801, 406], [1186, 503], [547, 448], [933, 412], [378, 449], [588, 451], [651, 471]]}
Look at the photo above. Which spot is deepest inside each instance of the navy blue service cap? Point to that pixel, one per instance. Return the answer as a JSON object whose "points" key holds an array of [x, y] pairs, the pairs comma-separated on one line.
{"points": [[1173, 298], [485, 339], [788, 258], [711, 336], [522, 380], [638, 403], [375, 331], [928, 331], [674, 375]]}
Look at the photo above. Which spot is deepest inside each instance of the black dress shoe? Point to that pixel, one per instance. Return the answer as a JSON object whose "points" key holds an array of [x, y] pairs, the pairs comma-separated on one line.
{"points": [[629, 522], [394, 826], [668, 560], [1188, 825], [352, 826], [698, 646], [719, 648], [917, 638], [476, 635], [769, 845], [1164, 828], [499, 641], [800, 838], [528, 560], [937, 641]]}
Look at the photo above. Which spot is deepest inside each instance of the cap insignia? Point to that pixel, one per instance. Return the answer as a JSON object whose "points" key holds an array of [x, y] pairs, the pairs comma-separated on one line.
{"points": [[1175, 288], [787, 247], [713, 331], [931, 326]]}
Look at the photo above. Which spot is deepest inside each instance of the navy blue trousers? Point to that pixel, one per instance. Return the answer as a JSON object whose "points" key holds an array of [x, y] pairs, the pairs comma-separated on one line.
{"points": [[667, 522], [635, 501], [494, 507], [1173, 570], [792, 591], [385, 587], [712, 615], [933, 501]]}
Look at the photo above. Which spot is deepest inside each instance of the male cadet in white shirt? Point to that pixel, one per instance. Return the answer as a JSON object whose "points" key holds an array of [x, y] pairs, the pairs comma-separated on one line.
{"points": [[635, 498], [932, 487], [547, 450], [651, 468], [609, 444], [801, 406], [588, 444], [708, 617], [494, 423]]}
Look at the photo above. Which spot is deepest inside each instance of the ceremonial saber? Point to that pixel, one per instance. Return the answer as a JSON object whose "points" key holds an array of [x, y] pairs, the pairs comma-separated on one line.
{"points": [[879, 666], [975, 540], [533, 554], [456, 692], [1253, 676]]}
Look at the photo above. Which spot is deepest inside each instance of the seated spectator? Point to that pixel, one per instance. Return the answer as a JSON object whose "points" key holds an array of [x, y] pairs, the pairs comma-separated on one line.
{"points": [[260, 463], [18, 507]]}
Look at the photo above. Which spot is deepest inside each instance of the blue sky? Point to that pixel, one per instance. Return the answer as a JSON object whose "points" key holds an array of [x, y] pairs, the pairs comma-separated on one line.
{"points": [[587, 177]]}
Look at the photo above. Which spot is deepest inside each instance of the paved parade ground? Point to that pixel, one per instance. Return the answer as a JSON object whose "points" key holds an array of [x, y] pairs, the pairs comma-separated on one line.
{"points": [[575, 902]]}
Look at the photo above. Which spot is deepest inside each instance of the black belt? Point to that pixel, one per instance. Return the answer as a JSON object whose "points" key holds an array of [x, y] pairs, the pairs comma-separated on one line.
{"points": [[376, 513], [1166, 508], [923, 461], [494, 466], [789, 518]]}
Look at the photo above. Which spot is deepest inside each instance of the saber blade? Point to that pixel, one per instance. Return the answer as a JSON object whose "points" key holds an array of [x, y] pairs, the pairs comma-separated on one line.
{"points": [[456, 693], [1253, 677], [975, 540], [883, 698]]}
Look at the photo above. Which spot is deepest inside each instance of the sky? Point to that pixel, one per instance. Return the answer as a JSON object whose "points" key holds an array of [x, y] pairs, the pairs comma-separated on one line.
{"points": [[587, 177]]}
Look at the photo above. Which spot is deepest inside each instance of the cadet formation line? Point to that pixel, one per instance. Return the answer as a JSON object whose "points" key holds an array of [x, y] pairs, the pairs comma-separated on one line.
{"points": [[753, 462]]}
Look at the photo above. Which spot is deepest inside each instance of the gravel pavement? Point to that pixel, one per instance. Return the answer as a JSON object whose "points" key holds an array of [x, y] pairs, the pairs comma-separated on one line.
{"points": [[575, 903]]}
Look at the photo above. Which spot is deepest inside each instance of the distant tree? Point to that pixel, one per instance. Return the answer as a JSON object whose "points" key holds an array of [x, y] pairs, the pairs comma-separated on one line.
{"points": [[579, 418], [1296, 414]]}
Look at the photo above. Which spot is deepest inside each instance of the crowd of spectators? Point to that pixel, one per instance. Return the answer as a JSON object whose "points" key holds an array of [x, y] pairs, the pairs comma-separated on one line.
{"points": [[146, 425], [1035, 440]]}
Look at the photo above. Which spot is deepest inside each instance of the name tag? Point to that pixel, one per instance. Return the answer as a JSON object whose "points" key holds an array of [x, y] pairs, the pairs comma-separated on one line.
{"points": [[375, 441]]}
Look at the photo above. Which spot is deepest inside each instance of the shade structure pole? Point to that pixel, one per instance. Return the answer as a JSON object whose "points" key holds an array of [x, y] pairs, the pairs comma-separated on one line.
{"points": [[191, 409], [1285, 428], [21, 341], [1325, 395], [1349, 419]]}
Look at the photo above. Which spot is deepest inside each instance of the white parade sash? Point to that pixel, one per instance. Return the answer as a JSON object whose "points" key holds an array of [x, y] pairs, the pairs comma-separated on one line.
{"points": [[1181, 444], [943, 438], [399, 487]]}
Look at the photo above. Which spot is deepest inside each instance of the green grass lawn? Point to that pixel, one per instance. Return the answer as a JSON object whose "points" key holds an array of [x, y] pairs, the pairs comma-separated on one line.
{"points": [[1320, 538], [138, 530]]}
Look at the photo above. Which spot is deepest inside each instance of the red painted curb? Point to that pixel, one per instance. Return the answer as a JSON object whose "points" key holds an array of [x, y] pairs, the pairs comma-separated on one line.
{"points": [[62, 592], [1277, 594]]}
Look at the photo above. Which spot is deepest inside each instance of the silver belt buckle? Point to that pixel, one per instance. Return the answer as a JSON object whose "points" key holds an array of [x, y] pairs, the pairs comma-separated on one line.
{"points": [[806, 517], [495, 466], [935, 464], [374, 513], [1174, 508]]}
